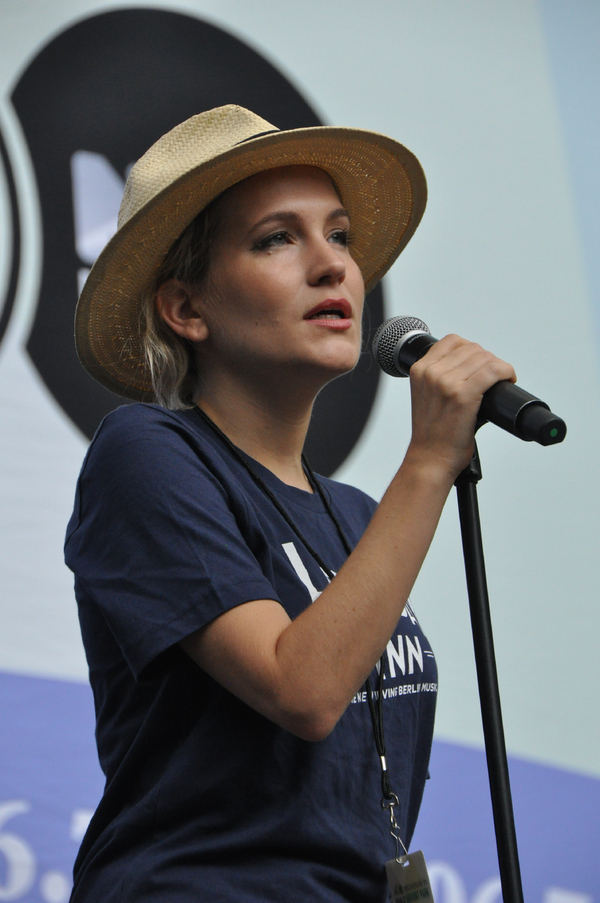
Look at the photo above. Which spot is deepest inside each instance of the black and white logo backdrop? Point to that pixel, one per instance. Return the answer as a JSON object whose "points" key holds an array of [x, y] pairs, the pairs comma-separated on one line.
{"points": [[90, 103]]}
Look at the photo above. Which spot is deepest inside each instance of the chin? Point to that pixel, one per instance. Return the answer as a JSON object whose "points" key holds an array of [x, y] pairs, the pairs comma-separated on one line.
{"points": [[339, 367]]}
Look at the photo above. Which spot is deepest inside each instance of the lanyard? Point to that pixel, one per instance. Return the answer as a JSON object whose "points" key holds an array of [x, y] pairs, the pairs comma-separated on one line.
{"points": [[389, 800]]}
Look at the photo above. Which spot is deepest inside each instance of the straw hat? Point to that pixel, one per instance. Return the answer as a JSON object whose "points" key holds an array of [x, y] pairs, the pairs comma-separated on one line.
{"points": [[379, 181]]}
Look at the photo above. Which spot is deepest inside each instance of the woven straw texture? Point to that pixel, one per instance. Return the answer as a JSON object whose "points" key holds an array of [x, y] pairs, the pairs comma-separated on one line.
{"points": [[380, 183]]}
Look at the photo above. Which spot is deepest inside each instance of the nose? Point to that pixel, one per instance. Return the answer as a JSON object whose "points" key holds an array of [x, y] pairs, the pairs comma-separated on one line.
{"points": [[327, 265]]}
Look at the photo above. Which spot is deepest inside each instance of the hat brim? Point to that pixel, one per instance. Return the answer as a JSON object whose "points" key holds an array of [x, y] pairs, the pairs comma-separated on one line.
{"points": [[380, 182]]}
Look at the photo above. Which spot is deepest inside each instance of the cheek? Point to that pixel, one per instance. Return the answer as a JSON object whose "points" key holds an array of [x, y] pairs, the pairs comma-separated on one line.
{"points": [[264, 292], [355, 281], [245, 302], [241, 277]]}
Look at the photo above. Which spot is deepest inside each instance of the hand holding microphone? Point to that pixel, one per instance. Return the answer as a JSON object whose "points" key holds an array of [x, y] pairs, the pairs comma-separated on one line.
{"points": [[401, 341]]}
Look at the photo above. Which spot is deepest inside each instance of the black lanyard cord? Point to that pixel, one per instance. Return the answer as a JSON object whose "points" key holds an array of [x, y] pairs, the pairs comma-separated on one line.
{"points": [[376, 710], [268, 492], [375, 705]]}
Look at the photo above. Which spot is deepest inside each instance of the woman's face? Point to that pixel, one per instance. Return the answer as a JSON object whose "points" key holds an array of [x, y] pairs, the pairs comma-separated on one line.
{"points": [[283, 296]]}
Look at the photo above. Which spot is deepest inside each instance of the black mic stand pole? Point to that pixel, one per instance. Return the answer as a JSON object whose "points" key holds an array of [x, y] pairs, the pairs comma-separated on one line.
{"points": [[487, 677]]}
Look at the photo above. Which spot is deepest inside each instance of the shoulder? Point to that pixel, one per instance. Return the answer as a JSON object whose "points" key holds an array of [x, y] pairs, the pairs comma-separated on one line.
{"points": [[146, 462], [140, 421], [141, 442], [138, 425]]}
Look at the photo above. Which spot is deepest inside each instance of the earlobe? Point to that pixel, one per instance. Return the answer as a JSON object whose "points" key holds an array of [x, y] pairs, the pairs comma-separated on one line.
{"points": [[180, 308]]}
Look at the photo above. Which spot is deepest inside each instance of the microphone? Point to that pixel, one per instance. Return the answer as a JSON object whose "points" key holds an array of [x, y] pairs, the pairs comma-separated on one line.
{"points": [[401, 341]]}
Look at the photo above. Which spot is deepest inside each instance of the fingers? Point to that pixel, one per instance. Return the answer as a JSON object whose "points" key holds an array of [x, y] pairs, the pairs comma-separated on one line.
{"points": [[455, 351], [447, 386], [453, 361]]}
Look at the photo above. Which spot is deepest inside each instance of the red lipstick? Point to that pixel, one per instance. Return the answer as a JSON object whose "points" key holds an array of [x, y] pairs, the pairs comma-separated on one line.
{"points": [[339, 310]]}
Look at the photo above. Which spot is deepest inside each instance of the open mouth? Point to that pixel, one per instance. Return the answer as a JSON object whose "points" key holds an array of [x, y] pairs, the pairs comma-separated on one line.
{"points": [[328, 315], [330, 309]]}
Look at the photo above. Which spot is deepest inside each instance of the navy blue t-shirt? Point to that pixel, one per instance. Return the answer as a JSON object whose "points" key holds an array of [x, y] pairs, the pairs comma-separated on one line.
{"points": [[206, 799]]}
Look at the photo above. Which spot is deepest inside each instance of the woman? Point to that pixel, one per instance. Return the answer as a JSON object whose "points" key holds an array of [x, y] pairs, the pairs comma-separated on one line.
{"points": [[232, 724]]}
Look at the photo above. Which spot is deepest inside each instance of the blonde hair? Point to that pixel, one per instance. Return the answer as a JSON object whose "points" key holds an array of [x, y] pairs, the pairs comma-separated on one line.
{"points": [[170, 358]]}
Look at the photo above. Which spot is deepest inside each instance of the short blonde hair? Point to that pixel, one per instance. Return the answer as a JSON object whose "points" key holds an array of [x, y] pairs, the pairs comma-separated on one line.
{"points": [[170, 358]]}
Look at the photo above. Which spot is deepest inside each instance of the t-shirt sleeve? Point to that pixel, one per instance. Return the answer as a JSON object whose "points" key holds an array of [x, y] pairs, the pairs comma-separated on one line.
{"points": [[155, 538]]}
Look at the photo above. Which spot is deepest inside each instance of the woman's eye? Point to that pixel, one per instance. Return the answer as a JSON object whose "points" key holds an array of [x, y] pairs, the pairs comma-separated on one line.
{"points": [[276, 240], [340, 237]]}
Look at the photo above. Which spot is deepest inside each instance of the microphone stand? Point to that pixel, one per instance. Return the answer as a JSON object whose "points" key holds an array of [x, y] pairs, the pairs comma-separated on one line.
{"points": [[487, 677]]}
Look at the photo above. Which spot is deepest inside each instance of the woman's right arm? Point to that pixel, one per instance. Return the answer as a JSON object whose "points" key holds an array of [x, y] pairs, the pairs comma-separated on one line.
{"points": [[302, 674]]}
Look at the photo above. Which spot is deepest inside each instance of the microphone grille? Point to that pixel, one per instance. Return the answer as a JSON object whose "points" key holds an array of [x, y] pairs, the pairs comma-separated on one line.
{"points": [[387, 337]]}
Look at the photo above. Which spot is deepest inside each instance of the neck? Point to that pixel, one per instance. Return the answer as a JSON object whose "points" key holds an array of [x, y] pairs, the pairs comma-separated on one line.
{"points": [[270, 428]]}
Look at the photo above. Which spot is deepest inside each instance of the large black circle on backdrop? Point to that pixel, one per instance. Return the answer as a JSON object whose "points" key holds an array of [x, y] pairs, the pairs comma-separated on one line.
{"points": [[112, 84]]}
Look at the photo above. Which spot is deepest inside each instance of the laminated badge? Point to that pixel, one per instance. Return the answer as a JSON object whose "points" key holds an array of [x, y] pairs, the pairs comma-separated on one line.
{"points": [[408, 879]]}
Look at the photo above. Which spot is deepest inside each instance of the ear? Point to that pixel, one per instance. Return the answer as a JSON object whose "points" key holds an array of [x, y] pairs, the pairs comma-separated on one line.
{"points": [[180, 307]]}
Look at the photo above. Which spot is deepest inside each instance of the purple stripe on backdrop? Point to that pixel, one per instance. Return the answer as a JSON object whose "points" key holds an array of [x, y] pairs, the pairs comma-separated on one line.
{"points": [[50, 780], [557, 817]]}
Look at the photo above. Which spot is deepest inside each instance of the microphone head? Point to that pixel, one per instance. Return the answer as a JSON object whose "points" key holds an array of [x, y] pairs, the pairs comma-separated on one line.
{"points": [[387, 338]]}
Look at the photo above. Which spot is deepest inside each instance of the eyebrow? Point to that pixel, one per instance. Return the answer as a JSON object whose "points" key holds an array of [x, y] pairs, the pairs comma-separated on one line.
{"points": [[291, 217]]}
